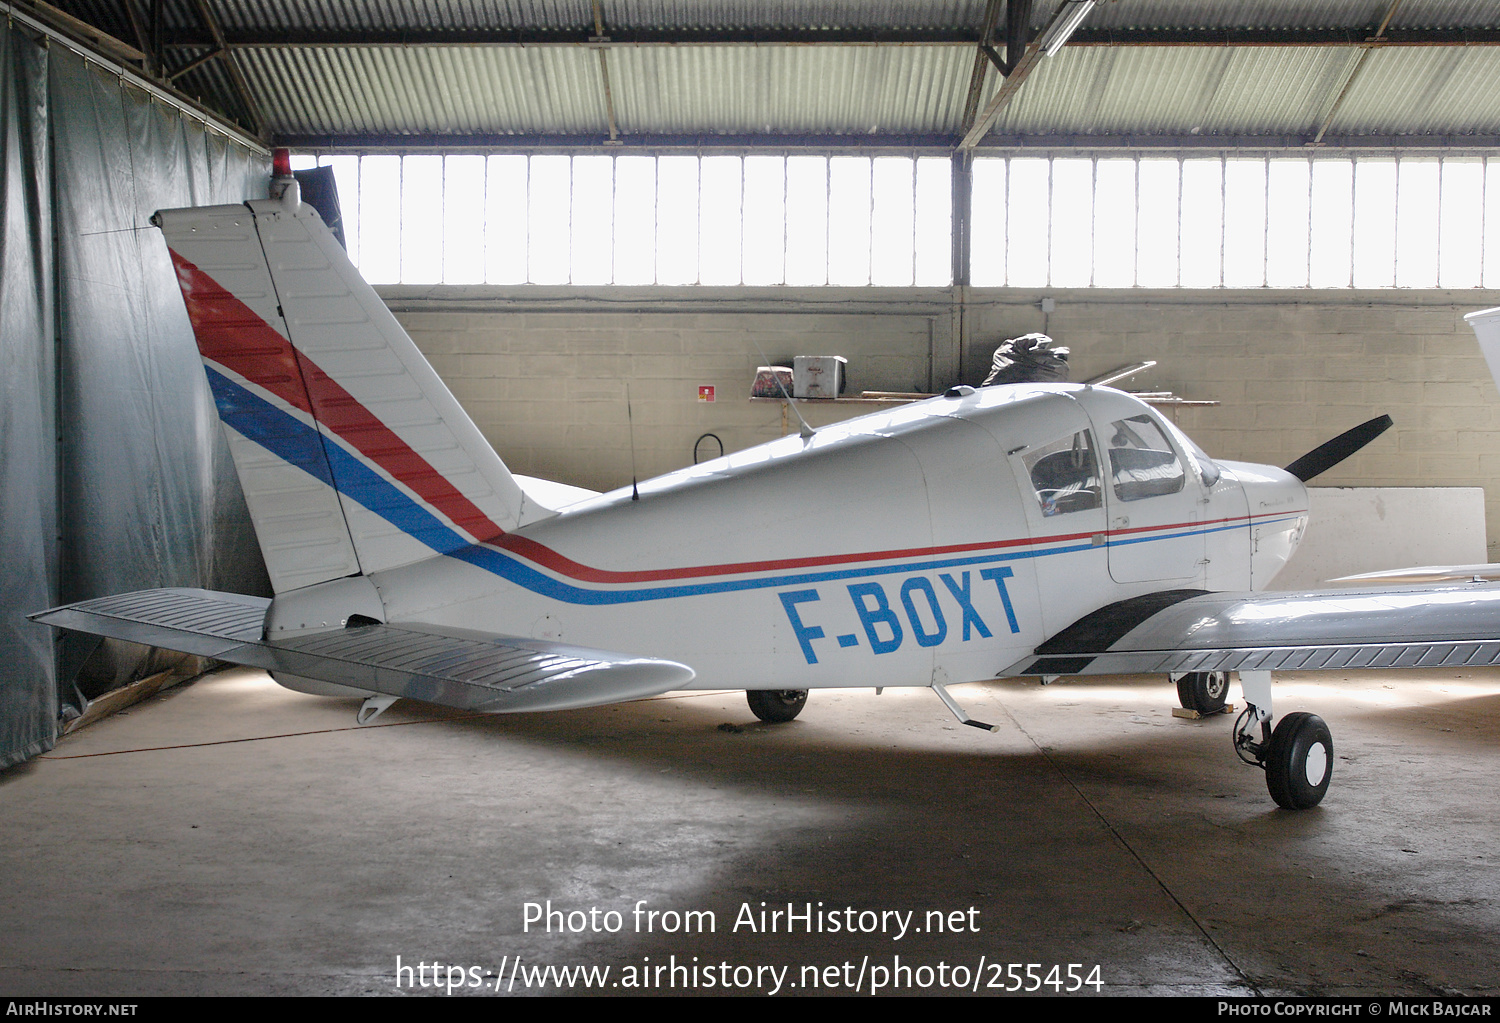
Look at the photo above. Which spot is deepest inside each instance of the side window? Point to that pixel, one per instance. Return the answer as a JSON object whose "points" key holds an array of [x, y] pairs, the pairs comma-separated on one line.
{"points": [[1065, 474], [1142, 462]]}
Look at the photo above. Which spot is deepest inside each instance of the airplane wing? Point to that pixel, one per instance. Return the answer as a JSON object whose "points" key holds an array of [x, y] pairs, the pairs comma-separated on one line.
{"points": [[1190, 630], [452, 667]]}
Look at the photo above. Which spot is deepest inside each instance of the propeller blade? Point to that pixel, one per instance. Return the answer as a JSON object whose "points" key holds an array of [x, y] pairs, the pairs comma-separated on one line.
{"points": [[1330, 453]]}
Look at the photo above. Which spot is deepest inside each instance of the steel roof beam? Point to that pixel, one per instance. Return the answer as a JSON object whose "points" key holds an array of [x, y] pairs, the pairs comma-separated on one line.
{"points": [[236, 76], [982, 59], [584, 37], [932, 144], [1018, 68], [1352, 74]]}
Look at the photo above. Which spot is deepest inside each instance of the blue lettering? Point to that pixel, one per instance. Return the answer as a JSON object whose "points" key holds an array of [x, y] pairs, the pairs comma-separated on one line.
{"points": [[966, 605], [805, 635], [873, 616], [939, 634], [999, 575]]}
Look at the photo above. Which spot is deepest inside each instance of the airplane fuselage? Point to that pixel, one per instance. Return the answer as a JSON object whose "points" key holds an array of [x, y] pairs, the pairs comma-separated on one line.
{"points": [[939, 541]]}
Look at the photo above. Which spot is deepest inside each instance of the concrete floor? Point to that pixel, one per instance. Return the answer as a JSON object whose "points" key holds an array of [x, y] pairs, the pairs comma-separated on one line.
{"points": [[231, 837]]}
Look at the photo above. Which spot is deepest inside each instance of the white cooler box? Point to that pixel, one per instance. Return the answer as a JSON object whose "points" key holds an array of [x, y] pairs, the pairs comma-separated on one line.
{"points": [[818, 376]]}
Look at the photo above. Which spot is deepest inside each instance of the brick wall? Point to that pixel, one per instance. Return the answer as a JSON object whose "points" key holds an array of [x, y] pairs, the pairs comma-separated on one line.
{"points": [[543, 371]]}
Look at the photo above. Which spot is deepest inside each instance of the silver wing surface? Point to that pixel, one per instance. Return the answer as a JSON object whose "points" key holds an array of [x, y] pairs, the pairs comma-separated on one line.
{"points": [[1317, 630], [452, 667]]}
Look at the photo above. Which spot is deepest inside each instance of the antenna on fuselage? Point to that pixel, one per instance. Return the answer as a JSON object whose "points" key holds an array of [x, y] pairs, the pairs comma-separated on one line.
{"points": [[635, 490], [807, 431]]}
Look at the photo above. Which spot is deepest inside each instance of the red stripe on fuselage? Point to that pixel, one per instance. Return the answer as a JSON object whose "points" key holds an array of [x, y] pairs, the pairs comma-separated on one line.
{"points": [[231, 334], [547, 558]]}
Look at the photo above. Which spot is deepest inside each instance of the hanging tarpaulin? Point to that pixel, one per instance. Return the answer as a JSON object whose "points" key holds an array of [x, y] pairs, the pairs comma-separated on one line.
{"points": [[28, 505], [114, 474], [148, 498]]}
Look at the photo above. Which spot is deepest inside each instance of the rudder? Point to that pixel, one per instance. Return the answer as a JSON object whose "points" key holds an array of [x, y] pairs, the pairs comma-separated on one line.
{"points": [[353, 454]]}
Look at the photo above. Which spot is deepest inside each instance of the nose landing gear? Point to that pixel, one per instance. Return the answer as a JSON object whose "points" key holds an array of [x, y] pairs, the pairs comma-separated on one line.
{"points": [[1299, 761], [1297, 756]]}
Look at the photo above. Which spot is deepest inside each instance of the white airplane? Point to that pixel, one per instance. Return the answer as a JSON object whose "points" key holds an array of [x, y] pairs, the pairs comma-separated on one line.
{"points": [[1031, 530]]}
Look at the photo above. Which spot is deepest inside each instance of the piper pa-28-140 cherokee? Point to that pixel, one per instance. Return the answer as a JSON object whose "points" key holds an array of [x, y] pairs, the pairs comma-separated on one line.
{"points": [[1032, 530]]}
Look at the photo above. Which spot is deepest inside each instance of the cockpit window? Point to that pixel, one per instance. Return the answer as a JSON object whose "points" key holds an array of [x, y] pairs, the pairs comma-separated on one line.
{"points": [[1065, 475], [1142, 461], [1208, 470]]}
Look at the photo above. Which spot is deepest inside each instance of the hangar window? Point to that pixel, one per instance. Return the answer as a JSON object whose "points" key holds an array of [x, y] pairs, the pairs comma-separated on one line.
{"points": [[603, 219], [1415, 221]]}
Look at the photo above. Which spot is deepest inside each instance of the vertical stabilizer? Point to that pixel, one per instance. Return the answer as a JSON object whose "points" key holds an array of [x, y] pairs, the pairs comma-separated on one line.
{"points": [[1486, 324], [353, 454], [262, 401]]}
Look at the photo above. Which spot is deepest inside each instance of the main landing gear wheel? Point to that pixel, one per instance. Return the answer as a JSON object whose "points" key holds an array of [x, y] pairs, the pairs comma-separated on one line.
{"points": [[1299, 761], [1203, 691], [776, 704]]}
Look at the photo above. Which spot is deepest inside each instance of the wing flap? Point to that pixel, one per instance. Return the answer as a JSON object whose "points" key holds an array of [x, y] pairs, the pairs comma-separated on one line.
{"points": [[1405, 627], [451, 667]]}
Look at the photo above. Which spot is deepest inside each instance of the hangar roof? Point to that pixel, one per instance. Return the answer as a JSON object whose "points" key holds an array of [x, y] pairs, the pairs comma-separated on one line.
{"points": [[502, 74]]}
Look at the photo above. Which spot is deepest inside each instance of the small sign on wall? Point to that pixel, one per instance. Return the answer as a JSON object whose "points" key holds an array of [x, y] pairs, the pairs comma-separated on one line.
{"points": [[705, 392]]}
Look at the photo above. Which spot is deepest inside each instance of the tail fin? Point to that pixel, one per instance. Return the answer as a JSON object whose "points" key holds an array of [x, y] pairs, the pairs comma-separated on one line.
{"points": [[353, 454], [1486, 325]]}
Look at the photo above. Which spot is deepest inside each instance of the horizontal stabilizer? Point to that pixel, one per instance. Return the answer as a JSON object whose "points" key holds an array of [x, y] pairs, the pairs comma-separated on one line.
{"points": [[1407, 627], [451, 667]]}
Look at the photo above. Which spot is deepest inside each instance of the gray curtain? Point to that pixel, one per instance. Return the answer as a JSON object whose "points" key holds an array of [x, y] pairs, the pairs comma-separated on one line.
{"points": [[28, 478], [116, 475]]}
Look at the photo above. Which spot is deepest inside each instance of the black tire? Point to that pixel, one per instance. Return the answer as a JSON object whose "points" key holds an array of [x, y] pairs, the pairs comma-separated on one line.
{"points": [[776, 704], [1299, 761], [1204, 691]]}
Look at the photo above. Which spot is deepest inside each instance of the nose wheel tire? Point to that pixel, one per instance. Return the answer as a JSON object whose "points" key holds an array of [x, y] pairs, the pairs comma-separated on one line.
{"points": [[1299, 761], [1203, 691], [776, 704]]}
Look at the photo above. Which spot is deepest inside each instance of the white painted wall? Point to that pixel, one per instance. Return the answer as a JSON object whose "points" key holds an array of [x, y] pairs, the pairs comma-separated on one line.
{"points": [[1369, 529]]}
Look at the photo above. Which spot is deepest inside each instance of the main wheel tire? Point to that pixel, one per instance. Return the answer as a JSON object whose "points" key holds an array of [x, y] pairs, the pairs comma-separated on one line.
{"points": [[1204, 691], [776, 704], [1299, 761]]}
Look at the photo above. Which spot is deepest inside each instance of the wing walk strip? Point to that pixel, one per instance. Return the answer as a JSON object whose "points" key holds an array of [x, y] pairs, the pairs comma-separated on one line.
{"points": [[470, 671], [1394, 627]]}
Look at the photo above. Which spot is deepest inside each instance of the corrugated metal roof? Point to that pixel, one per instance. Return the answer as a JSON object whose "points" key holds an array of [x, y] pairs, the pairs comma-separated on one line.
{"points": [[1349, 14], [789, 89], [1177, 91], [355, 91], [1427, 90], [442, 90], [862, 91]]}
